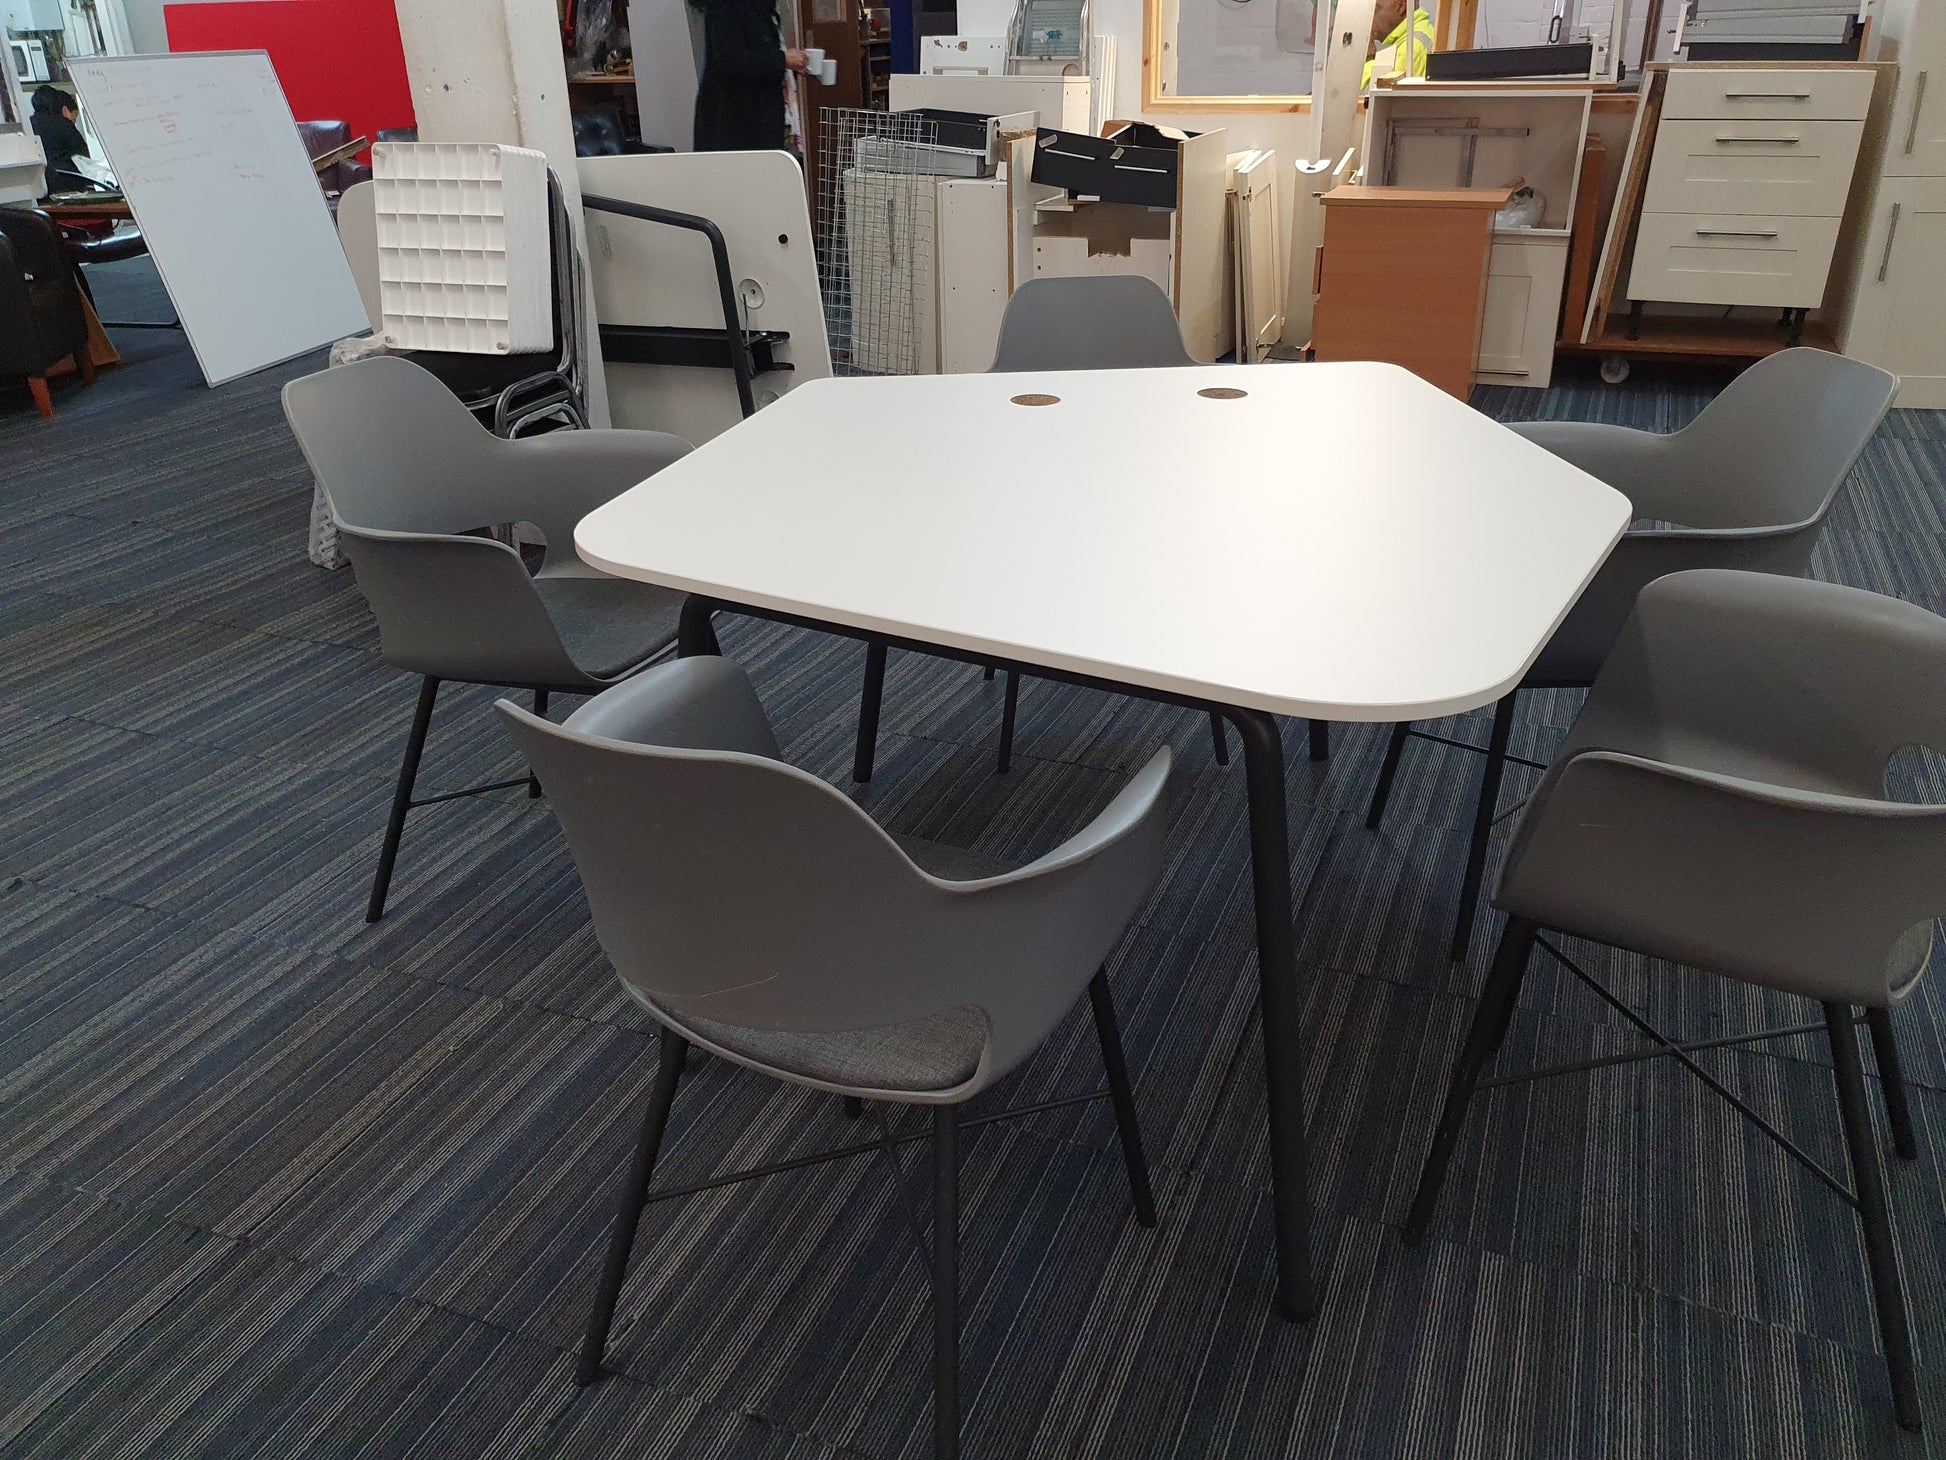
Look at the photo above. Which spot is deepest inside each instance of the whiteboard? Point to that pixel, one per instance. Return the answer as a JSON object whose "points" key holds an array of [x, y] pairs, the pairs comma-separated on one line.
{"points": [[209, 158]]}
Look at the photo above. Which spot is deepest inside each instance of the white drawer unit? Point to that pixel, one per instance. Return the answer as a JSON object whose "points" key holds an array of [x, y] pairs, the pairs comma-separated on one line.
{"points": [[1807, 93], [1747, 185], [1749, 166], [1525, 273], [1696, 258]]}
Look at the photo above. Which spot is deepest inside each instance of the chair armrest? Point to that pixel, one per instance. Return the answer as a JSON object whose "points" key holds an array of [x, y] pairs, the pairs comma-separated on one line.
{"points": [[1798, 890], [1046, 927], [1638, 464], [561, 477], [1810, 683]]}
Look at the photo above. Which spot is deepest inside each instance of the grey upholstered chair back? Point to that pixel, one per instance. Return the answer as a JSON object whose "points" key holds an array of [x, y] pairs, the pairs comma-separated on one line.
{"points": [[1765, 846], [1099, 322], [409, 474], [1746, 485], [728, 886]]}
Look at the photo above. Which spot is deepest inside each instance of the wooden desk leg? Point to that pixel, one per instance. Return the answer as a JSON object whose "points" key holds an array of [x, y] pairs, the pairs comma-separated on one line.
{"points": [[43, 402], [1281, 1007]]}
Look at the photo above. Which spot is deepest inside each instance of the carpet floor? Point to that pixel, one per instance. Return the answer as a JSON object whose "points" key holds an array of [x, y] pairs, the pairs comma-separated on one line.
{"points": [[273, 1182]]}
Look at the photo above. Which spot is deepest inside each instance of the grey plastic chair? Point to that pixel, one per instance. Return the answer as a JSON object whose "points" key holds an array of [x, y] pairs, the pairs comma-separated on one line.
{"points": [[412, 479], [1104, 322], [1745, 485], [758, 914], [1720, 802]]}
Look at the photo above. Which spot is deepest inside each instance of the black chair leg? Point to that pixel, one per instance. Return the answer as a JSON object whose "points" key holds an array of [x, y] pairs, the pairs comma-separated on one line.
{"points": [[1008, 708], [635, 1190], [868, 702], [987, 673], [1888, 1297], [1476, 851], [415, 745], [1502, 988], [1891, 1080], [1387, 771], [1320, 733], [1218, 738], [540, 712], [1109, 1031], [945, 1282]]}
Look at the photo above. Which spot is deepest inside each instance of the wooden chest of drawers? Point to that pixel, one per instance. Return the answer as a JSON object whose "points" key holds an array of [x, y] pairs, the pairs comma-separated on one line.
{"points": [[1747, 185]]}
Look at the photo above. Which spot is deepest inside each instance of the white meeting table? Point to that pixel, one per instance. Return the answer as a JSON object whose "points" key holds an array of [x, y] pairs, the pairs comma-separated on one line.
{"points": [[1339, 542]]}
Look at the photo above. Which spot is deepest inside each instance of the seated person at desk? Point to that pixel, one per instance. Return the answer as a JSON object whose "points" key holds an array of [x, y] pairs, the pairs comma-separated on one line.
{"points": [[54, 118], [1393, 19], [740, 100]]}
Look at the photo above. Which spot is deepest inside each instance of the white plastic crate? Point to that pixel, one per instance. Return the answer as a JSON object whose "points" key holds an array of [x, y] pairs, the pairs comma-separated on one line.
{"points": [[463, 261]]}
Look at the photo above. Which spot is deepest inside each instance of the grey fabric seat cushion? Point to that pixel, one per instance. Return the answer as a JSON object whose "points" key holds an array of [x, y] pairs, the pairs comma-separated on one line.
{"points": [[610, 624], [934, 1053]]}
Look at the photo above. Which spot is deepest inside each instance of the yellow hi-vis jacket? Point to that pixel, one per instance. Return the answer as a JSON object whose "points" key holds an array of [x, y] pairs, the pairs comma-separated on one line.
{"points": [[1421, 24]]}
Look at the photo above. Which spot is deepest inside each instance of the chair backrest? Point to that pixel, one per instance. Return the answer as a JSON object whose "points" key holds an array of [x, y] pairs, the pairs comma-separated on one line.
{"points": [[1090, 322], [729, 886], [1764, 845], [358, 236], [1756, 473], [41, 317], [1777, 444], [409, 475]]}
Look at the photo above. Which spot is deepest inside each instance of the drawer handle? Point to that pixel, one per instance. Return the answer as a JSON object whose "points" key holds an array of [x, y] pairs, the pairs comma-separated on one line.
{"points": [[1918, 100], [1891, 232], [1735, 233], [1766, 96], [1767, 141]]}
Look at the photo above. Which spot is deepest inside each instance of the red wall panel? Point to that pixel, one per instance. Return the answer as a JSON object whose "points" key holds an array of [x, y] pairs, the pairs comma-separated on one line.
{"points": [[337, 59]]}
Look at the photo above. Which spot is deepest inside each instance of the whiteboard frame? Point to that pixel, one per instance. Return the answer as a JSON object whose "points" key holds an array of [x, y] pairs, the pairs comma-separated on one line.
{"points": [[356, 320]]}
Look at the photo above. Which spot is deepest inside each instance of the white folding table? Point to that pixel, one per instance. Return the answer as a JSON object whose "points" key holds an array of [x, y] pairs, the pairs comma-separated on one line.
{"points": [[1334, 542]]}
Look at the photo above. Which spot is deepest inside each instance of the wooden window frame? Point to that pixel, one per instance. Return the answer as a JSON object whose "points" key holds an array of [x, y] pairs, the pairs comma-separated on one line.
{"points": [[1154, 99]]}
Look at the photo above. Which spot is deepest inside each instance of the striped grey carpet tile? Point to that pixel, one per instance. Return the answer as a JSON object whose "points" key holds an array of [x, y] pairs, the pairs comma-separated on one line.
{"points": [[275, 1182]]}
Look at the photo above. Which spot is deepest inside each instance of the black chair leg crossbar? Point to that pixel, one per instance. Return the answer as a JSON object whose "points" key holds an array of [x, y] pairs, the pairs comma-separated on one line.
{"points": [[1865, 1194], [873, 692], [403, 800], [942, 1255], [1486, 813]]}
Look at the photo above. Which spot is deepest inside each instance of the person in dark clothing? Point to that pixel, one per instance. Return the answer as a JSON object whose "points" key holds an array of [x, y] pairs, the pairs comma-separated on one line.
{"points": [[740, 102], [54, 117]]}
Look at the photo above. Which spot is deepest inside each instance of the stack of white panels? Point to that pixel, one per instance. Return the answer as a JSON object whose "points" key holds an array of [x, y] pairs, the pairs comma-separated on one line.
{"points": [[463, 257]]}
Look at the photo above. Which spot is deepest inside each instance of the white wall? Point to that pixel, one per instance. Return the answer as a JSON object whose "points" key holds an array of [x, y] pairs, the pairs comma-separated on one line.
{"points": [[146, 30]]}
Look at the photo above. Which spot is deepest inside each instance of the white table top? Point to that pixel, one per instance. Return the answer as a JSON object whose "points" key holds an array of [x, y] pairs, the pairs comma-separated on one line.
{"points": [[1346, 542]]}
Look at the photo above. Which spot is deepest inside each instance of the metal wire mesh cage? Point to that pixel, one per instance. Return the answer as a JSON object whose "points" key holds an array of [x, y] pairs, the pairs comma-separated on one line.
{"points": [[875, 232]]}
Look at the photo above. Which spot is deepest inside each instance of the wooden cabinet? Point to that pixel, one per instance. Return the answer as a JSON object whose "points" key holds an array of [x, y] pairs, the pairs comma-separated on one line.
{"points": [[1747, 184], [1914, 34], [1898, 317], [1402, 277], [1523, 305]]}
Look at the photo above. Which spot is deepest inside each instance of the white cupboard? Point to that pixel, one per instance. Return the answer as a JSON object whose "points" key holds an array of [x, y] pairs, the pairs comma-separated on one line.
{"points": [[1898, 318]]}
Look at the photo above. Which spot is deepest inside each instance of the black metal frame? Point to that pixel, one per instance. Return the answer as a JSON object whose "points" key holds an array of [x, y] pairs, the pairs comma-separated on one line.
{"points": [[943, 1257], [1279, 998], [1866, 1195], [735, 343], [403, 800], [873, 690], [1486, 811]]}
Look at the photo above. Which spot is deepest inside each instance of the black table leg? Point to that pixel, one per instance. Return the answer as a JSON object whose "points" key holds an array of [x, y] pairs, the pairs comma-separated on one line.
{"points": [[694, 634], [1270, 863]]}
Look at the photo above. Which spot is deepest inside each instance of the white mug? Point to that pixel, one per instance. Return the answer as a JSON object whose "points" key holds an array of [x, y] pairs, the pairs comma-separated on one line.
{"points": [[813, 59], [828, 72]]}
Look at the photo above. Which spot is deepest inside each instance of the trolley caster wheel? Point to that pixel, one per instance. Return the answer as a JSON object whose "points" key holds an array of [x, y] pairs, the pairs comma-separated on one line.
{"points": [[1614, 369]]}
